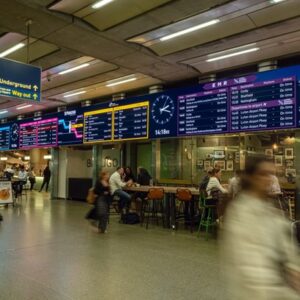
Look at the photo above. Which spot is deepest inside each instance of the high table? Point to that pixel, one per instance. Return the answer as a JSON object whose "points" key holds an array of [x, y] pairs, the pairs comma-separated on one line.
{"points": [[170, 192]]}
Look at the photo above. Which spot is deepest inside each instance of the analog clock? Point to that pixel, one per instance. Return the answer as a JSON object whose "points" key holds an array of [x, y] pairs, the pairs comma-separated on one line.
{"points": [[163, 109], [14, 132]]}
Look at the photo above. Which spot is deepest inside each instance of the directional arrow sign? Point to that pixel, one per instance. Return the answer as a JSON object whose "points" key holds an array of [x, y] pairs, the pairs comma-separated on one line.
{"points": [[19, 80]]}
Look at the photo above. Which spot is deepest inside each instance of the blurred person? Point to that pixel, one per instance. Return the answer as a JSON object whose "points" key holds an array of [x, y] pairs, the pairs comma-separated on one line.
{"points": [[100, 211], [47, 177], [128, 175], [275, 186], [257, 248], [116, 185], [203, 184], [8, 172], [234, 184], [31, 176]]}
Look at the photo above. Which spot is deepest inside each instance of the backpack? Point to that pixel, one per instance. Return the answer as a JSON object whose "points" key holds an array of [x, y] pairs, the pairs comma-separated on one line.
{"points": [[131, 218]]}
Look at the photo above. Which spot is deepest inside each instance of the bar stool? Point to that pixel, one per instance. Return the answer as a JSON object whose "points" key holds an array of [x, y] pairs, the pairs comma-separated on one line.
{"points": [[207, 216], [153, 205], [186, 209]]}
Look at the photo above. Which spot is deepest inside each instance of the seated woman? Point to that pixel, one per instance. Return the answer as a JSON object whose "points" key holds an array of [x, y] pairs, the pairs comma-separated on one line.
{"points": [[214, 187], [128, 175]]}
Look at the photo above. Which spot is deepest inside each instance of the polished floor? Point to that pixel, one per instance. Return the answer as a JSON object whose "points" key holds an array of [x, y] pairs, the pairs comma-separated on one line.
{"points": [[48, 251]]}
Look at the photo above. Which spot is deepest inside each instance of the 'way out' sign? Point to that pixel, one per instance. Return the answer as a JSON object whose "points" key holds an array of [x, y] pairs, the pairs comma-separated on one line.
{"points": [[19, 80]]}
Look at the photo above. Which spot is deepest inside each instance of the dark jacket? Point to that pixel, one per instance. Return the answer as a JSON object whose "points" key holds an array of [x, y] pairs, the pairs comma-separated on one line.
{"points": [[144, 178], [47, 173]]}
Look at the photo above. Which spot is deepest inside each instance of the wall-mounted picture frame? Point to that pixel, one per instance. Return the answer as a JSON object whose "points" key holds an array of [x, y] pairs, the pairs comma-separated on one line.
{"points": [[207, 164], [290, 172], [200, 163], [230, 156], [289, 163], [229, 165], [278, 159], [289, 153], [220, 164], [219, 154], [269, 152]]}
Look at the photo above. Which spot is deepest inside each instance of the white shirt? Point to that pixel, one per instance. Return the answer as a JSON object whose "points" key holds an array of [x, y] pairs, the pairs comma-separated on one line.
{"points": [[234, 186], [214, 183], [22, 175], [115, 182], [257, 247], [275, 186]]}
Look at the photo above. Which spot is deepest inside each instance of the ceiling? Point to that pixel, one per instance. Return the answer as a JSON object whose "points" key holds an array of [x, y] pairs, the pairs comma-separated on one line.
{"points": [[130, 40]]}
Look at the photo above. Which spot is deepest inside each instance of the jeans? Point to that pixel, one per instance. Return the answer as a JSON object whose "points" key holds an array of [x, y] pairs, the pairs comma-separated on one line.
{"points": [[124, 198]]}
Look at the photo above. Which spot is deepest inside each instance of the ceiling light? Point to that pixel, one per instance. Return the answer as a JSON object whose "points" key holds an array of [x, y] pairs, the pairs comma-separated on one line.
{"points": [[3, 112], [101, 3], [188, 30], [24, 106], [232, 54], [74, 94], [276, 1], [74, 69], [48, 156], [12, 49], [26, 157], [3, 158], [120, 81]]}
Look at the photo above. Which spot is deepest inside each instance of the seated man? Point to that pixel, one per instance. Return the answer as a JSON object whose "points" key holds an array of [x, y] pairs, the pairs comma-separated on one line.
{"points": [[116, 184]]}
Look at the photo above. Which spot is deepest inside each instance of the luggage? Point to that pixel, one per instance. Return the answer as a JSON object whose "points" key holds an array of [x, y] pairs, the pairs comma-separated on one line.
{"points": [[91, 197], [131, 218]]}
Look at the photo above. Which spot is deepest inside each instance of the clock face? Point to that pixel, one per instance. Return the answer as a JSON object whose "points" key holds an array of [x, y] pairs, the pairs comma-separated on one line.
{"points": [[14, 132], [163, 109]]}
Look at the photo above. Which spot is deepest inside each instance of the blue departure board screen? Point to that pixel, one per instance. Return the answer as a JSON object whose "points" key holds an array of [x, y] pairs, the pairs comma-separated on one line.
{"points": [[70, 127], [131, 121], [4, 137], [203, 112], [98, 126]]}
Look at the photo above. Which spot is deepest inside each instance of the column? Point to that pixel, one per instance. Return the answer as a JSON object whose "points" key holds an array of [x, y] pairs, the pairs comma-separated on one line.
{"points": [[96, 161], [54, 167]]}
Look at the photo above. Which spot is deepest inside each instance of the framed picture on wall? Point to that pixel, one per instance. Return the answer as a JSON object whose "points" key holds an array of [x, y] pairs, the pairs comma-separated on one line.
{"points": [[200, 163], [290, 172], [269, 152], [207, 164], [278, 160], [220, 164], [289, 153], [229, 165], [289, 163], [219, 154]]}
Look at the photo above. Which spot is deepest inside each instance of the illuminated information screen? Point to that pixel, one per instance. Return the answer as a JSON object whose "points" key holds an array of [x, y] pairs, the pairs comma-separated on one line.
{"points": [[4, 137], [262, 105], [70, 128], [203, 112], [131, 121], [98, 126], [40, 133]]}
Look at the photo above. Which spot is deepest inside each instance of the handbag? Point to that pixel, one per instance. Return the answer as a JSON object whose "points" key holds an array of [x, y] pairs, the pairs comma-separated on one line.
{"points": [[91, 197]]}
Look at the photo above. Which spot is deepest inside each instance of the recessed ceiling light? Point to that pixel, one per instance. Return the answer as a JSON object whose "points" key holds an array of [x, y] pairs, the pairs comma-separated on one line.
{"points": [[24, 106], [12, 49], [188, 30], [232, 54], [26, 157], [74, 94], [121, 80], [101, 3], [48, 156], [3, 112], [74, 69], [3, 158], [276, 1]]}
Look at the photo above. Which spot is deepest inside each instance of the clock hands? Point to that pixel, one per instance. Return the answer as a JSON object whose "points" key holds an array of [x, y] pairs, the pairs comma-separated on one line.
{"points": [[164, 109]]}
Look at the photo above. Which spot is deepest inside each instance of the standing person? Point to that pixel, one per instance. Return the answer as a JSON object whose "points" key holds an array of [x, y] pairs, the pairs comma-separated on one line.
{"points": [[257, 247], [234, 184], [116, 185], [128, 175], [101, 210], [46, 180], [22, 176], [31, 176]]}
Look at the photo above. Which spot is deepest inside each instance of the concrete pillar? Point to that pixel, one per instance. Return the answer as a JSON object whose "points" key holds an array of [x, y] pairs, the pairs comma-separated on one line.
{"points": [[54, 167], [267, 65], [297, 166], [96, 161]]}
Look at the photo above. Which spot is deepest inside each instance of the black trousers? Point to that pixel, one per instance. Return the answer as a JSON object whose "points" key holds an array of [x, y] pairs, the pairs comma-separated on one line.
{"points": [[100, 213], [32, 182], [45, 182]]}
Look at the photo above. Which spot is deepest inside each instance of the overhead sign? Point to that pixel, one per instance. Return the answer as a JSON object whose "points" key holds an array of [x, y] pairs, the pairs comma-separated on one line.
{"points": [[19, 80]]}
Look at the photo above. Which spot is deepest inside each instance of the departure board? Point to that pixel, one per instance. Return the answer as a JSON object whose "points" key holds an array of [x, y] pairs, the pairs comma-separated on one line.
{"points": [[38, 133], [98, 126], [131, 121], [269, 104], [203, 112], [70, 127], [4, 137]]}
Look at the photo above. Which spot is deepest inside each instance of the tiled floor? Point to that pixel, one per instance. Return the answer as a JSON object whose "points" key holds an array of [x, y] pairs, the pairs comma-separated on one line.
{"points": [[48, 251]]}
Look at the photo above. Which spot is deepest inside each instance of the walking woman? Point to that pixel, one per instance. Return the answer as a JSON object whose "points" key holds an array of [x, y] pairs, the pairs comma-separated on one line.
{"points": [[101, 209], [262, 263]]}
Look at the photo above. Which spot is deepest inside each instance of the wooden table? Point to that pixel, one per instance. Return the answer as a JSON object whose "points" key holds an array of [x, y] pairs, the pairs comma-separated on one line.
{"points": [[170, 192]]}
